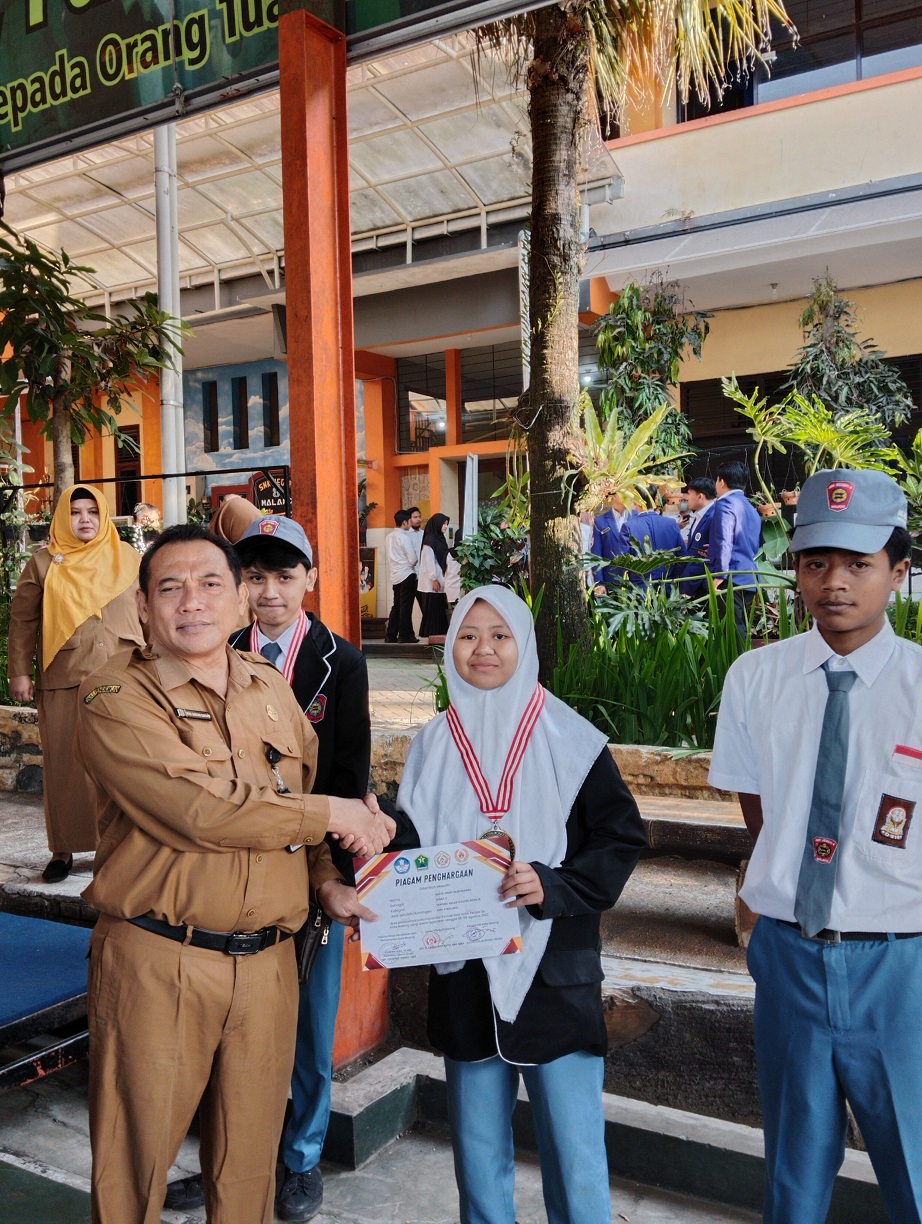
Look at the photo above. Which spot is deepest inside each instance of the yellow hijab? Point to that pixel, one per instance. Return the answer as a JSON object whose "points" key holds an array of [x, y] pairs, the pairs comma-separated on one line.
{"points": [[84, 575]]}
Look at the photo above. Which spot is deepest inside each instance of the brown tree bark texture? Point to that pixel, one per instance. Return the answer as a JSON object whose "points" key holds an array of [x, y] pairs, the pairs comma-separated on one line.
{"points": [[60, 431], [557, 81]]}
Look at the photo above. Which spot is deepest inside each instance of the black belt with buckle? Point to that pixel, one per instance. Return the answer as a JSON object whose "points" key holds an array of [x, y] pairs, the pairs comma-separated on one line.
{"points": [[834, 937], [234, 943]]}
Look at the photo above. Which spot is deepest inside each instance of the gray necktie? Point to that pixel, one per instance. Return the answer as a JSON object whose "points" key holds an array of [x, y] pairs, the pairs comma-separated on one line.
{"points": [[271, 651], [820, 862]]}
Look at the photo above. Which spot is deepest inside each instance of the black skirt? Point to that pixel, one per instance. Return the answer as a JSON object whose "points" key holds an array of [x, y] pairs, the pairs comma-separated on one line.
{"points": [[435, 614]]}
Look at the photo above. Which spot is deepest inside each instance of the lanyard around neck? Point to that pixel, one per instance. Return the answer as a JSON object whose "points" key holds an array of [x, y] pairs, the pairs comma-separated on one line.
{"points": [[489, 805], [300, 633]]}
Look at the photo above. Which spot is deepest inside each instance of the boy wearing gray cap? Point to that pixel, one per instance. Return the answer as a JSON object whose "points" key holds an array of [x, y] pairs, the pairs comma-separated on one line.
{"points": [[329, 677], [821, 736]]}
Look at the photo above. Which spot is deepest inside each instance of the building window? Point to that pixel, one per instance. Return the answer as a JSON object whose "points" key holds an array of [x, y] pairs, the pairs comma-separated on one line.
{"points": [[271, 436], [491, 383], [241, 414], [421, 401], [210, 415], [840, 41]]}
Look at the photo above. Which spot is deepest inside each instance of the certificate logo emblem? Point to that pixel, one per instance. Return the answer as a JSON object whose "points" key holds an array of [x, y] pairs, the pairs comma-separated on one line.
{"points": [[461, 855], [432, 939], [422, 862], [442, 859], [402, 866]]}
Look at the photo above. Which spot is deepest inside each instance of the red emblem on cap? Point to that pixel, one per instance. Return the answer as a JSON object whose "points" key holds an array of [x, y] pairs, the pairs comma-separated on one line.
{"points": [[824, 848], [268, 526], [839, 494]]}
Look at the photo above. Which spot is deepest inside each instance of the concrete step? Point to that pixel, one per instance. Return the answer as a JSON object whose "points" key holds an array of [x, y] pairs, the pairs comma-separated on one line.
{"points": [[695, 828]]}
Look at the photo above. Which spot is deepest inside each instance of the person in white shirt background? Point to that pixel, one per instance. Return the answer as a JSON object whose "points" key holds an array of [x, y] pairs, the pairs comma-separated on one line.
{"points": [[439, 580], [821, 736], [403, 565]]}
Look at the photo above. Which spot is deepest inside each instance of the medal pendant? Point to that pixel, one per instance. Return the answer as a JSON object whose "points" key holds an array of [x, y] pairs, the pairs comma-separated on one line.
{"points": [[501, 837]]}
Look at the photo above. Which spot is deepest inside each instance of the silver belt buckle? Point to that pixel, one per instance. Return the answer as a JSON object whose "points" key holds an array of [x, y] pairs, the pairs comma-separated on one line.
{"points": [[245, 943], [834, 937]]}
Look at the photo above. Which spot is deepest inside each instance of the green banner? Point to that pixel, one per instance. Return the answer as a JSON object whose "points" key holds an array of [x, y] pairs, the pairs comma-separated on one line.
{"points": [[68, 66]]}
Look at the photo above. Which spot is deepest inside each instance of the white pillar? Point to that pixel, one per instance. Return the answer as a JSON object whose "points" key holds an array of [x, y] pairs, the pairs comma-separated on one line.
{"points": [[171, 409]]}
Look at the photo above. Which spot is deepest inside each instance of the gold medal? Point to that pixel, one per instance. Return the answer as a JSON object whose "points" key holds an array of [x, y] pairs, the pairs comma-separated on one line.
{"points": [[272, 712], [499, 835]]}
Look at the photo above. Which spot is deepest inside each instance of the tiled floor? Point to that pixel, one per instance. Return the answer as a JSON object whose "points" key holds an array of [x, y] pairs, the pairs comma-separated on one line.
{"points": [[401, 692]]}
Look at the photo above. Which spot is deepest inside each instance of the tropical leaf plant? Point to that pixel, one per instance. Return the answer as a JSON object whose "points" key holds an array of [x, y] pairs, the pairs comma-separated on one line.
{"points": [[614, 461]]}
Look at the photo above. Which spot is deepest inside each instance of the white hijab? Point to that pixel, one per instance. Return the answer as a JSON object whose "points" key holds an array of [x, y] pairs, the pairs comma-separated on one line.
{"points": [[437, 794]]}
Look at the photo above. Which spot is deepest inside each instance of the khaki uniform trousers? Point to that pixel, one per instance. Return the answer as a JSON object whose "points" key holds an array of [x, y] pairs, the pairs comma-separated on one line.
{"points": [[70, 796], [172, 1026]]}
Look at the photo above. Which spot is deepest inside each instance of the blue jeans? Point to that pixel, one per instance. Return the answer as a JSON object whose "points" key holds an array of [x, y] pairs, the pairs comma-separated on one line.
{"points": [[311, 1080], [566, 1106], [837, 1022]]}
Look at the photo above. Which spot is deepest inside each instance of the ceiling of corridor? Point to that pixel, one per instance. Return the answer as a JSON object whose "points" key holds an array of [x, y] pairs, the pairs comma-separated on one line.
{"points": [[434, 144]]}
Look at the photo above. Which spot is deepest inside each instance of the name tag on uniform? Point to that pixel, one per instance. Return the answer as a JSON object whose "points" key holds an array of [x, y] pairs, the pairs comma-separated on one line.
{"points": [[200, 715]]}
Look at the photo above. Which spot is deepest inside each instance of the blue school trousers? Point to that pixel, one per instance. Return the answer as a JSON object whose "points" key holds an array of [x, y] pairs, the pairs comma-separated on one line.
{"points": [[566, 1108], [312, 1078], [837, 1022]]}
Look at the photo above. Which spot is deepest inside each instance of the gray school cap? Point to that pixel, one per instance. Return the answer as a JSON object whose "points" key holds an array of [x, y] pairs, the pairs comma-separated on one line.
{"points": [[277, 527], [854, 510]]}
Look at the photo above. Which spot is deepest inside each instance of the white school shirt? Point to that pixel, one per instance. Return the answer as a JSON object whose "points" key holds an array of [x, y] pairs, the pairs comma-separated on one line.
{"points": [[766, 743], [401, 555]]}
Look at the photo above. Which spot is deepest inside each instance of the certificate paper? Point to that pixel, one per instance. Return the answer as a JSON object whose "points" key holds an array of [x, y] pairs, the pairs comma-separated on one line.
{"points": [[438, 903]]}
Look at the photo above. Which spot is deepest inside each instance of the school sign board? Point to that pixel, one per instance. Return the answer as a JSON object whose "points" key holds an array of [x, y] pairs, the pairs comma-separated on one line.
{"points": [[74, 73]]}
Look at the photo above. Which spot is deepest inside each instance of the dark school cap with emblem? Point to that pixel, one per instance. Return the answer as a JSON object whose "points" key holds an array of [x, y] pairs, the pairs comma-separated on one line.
{"points": [[855, 510], [277, 527]]}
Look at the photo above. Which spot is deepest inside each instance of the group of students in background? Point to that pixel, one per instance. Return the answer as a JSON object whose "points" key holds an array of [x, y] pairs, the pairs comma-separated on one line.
{"points": [[423, 570]]}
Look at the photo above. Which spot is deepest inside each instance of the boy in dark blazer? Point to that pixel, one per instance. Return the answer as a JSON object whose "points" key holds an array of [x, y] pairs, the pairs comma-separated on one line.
{"points": [[329, 678]]}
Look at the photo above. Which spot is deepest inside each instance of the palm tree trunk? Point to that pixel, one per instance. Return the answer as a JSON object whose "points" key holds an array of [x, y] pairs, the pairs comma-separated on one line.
{"points": [[62, 456], [557, 83]]}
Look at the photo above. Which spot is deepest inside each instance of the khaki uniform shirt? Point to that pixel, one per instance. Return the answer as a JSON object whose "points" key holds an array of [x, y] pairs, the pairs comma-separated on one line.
{"points": [[192, 828], [113, 629]]}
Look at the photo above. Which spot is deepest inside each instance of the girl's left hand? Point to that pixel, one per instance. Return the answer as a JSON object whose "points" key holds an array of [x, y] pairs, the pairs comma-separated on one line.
{"points": [[522, 886]]}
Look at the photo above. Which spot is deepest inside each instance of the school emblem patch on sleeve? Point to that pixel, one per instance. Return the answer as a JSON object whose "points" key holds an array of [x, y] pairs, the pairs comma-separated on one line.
{"points": [[317, 708], [891, 828], [102, 688]]}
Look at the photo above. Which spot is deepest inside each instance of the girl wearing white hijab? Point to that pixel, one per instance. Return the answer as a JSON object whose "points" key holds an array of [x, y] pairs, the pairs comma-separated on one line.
{"points": [[508, 758]]}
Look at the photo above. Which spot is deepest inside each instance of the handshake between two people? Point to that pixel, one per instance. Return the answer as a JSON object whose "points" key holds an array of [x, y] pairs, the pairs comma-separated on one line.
{"points": [[364, 830]]}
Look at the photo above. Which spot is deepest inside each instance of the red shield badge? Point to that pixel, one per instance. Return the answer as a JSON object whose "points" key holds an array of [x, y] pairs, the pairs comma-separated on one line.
{"points": [[268, 527], [824, 849], [839, 494], [317, 708]]}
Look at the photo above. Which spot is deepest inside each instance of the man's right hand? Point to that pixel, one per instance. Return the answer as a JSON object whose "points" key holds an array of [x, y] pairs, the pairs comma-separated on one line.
{"points": [[359, 830], [21, 688]]}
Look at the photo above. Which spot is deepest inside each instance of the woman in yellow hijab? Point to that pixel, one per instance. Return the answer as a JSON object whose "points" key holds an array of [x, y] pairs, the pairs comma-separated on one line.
{"points": [[74, 608]]}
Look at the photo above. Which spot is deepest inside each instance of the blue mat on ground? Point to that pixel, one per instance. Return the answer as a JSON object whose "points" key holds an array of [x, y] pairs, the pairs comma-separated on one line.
{"points": [[42, 963]]}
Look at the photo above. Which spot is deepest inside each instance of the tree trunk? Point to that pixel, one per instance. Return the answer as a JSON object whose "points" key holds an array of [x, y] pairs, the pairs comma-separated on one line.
{"points": [[557, 81], [62, 456]]}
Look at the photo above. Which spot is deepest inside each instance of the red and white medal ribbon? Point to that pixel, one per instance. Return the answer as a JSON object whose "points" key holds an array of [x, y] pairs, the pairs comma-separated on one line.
{"points": [[300, 633], [496, 806]]}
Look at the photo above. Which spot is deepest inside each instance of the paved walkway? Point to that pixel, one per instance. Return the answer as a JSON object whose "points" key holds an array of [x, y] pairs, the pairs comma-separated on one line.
{"points": [[401, 691], [43, 1132]]}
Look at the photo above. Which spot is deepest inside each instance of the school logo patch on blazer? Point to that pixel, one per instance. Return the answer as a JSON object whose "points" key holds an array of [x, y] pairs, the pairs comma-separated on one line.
{"points": [[839, 494], [317, 708]]}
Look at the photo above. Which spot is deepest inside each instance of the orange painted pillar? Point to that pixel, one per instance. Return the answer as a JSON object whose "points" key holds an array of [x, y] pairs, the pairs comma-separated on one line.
{"points": [[452, 397], [321, 381], [318, 294]]}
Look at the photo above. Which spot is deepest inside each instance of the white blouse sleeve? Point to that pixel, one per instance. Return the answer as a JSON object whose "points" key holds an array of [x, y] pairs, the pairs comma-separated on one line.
{"points": [[429, 570]]}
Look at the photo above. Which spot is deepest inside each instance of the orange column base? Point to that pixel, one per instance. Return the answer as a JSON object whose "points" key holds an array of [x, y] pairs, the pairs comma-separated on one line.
{"points": [[363, 1019]]}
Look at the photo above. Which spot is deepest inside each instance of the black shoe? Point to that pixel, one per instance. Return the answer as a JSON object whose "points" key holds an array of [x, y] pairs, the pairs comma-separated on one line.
{"points": [[58, 870], [391, 640], [299, 1195], [409, 641], [185, 1194]]}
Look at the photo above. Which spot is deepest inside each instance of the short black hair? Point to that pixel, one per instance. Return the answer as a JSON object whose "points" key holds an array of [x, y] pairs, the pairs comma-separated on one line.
{"points": [[401, 517], [734, 474], [703, 485], [897, 547], [270, 555], [413, 510], [185, 533]]}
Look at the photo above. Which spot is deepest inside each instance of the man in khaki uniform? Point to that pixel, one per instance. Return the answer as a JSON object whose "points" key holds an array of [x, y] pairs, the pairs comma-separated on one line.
{"points": [[203, 762]]}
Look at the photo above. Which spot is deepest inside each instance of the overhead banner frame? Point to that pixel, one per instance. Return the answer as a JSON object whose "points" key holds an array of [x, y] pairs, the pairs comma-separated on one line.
{"points": [[79, 73]]}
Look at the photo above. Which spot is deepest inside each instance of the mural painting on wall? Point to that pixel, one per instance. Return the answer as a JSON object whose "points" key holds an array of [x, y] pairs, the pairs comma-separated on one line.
{"points": [[368, 582], [414, 489]]}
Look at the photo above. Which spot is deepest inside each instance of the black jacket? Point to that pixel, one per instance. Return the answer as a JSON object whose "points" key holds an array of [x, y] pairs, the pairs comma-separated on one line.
{"points": [[562, 1011], [330, 681]]}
